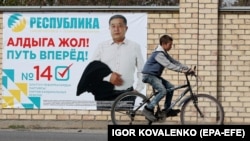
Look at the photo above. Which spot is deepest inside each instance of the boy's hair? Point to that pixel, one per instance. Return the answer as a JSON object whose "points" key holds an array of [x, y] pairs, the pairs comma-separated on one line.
{"points": [[119, 17], [165, 39]]}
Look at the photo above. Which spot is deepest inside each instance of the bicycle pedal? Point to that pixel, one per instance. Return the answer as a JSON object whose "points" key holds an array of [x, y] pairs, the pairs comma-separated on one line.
{"points": [[160, 114], [161, 120], [150, 120]]}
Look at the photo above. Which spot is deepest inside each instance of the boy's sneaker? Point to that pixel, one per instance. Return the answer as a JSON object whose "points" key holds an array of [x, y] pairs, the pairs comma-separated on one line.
{"points": [[172, 112], [148, 113]]}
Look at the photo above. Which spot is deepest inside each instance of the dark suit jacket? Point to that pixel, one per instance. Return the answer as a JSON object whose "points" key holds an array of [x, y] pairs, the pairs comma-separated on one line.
{"points": [[92, 81]]}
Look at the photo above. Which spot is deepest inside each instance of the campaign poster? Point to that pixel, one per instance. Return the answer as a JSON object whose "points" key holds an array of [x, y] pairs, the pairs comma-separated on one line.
{"points": [[45, 54]]}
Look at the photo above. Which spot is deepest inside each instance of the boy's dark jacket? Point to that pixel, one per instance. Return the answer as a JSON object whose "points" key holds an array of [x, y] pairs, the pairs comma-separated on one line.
{"points": [[92, 80]]}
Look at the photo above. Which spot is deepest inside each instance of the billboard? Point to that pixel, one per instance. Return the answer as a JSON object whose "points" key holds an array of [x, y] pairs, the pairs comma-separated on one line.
{"points": [[45, 54]]}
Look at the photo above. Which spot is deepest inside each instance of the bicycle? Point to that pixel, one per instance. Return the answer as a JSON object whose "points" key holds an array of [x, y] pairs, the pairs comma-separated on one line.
{"points": [[196, 109]]}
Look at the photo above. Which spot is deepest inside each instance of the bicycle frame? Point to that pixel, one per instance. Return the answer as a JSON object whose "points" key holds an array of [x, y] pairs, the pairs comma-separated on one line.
{"points": [[184, 92], [188, 89]]}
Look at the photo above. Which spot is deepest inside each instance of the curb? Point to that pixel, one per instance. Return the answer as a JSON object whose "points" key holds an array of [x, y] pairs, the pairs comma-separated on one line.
{"points": [[53, 124]]}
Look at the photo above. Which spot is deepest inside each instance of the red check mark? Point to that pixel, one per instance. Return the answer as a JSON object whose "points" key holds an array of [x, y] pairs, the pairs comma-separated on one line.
{"points": [[65, 71]]}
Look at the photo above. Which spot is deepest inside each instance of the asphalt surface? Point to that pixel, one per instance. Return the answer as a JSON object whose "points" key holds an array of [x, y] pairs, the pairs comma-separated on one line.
{"points": [[53, 135]]}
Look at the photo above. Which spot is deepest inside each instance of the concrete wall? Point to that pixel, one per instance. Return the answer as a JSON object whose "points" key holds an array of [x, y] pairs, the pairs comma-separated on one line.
{"points": [[216, 42]]}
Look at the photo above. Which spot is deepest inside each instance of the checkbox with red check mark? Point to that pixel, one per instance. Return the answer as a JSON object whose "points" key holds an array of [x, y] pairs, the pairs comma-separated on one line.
{"points": [[62, 72]]}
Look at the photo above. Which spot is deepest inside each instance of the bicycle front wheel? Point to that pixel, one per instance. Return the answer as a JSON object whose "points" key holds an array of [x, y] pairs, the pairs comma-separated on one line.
{"points": [[127, 109], [203, 109]]}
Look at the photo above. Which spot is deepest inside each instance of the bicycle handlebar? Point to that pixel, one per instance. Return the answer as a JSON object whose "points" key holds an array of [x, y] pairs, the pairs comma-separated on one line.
{"points": [[191, 71]]}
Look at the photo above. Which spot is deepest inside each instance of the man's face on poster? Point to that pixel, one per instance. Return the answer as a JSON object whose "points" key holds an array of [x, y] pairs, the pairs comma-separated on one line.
{"points": [[118, 29]]}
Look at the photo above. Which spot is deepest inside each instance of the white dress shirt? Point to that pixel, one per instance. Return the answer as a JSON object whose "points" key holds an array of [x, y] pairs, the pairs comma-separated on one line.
{"points": [[124, 58]]}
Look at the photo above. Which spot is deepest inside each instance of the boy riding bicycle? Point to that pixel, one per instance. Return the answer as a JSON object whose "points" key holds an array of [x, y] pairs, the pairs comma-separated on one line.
{"points": [[152, 72]]}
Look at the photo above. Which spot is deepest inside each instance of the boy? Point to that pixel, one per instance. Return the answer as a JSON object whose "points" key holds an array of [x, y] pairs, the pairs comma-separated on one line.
{"points": [[152, 72]]}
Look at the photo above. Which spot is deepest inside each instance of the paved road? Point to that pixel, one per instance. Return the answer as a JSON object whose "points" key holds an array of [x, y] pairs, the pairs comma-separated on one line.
{"points": [[53, 135]]}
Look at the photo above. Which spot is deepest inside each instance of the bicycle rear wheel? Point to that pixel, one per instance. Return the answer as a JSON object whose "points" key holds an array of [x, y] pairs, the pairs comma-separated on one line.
{"points": [[207, 112], [127, 109]]}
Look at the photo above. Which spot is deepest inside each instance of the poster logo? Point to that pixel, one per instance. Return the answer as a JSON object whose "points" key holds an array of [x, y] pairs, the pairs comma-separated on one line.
{"points": [[16, 22]]}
